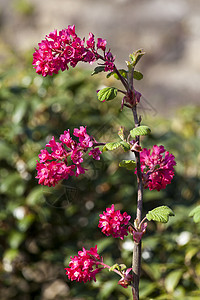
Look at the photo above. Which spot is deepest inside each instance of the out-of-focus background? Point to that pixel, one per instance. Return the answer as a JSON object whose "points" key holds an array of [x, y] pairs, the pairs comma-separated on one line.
{"points": [[40, 228]]}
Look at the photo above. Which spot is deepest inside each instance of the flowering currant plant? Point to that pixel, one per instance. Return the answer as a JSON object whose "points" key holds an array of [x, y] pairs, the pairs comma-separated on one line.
{"points": [[153, 168]]}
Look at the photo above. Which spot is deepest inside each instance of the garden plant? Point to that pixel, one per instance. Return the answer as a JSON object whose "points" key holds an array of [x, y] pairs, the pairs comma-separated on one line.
{"points": [[153, 168]]}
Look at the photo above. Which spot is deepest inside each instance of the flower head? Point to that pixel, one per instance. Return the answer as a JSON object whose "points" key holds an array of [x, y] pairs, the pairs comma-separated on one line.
{"points": [[157, 167], [84, 266], [114, 223], [62, 49], [55, 166]]}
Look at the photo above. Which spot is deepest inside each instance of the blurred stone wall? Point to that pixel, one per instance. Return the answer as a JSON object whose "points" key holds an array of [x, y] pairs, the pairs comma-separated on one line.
{"points": [[169, 32]]}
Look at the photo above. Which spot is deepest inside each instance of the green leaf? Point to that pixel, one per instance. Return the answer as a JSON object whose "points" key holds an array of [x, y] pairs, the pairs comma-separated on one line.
{"points": [[15, 239], [128, 164], [172, 280], [114, 267], [135, 56], [160, 214], [141, 130], [137, 75], [98, 70], [107, 94], [11, 254], [104, 149], [122, 267], [195, 213], [122, 72], [121, 133], [113, 146], [125, 146], [26, 222]]}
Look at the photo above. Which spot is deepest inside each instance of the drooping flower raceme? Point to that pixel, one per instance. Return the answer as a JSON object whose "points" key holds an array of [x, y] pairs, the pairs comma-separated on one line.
{"points": [[84, 266], [60, 49], [66, 157], [157, 167], [114, 223]]}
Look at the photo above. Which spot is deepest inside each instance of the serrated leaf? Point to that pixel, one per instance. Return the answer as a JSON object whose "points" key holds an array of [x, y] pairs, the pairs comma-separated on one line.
{"points": [[125, 145], [195, 213], [113, 146], [160, 214], [128, 164], [137, 75], [107, 94], [122, 72], [172, 280], [98, 70], [141, 130]]}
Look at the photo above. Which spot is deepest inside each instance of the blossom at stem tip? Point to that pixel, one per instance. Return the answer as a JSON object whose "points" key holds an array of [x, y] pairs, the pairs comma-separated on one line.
{"points": [[66, 157], [61, 49], [157, 167], [114, 223]]}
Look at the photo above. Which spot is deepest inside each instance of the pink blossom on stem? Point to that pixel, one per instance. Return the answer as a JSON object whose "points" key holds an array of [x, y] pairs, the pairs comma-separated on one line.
{"points": [[101, 44], [114, 223], [60, 49], [157, 167], [84, 266], [95, 153], [44, 155], [79, 170], [55, 166]]}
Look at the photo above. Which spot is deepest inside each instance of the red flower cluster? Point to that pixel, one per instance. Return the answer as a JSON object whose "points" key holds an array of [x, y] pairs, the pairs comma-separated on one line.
{"points": [[114, 223], [54, 167], [83, 267], [157, 166], [63, 48]]}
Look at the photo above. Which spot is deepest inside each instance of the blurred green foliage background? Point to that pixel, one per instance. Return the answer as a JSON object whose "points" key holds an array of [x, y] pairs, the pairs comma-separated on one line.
{"points": [[40, 228]]}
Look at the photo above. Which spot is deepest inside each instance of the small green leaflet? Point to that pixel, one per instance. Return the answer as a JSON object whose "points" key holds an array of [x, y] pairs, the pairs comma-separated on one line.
{"points": [[115, 145], [135, 56], [120, 267], [121, 133], [122, 72], [107, 93], [98, 70], [195, 213], [137, 75], [125, 146], [160, 214], [128, 164], [141, 130]]}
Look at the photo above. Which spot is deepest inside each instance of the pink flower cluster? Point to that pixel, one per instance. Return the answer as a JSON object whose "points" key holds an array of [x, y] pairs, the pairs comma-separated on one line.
{"points": [[61, 49], [83, 267], [157, 166], [54, 166], [114, 223]]}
